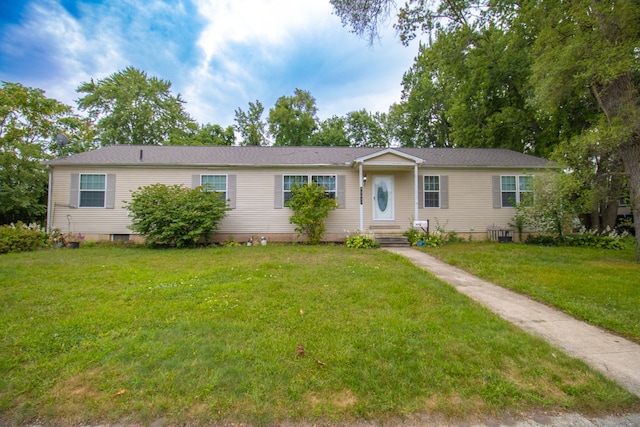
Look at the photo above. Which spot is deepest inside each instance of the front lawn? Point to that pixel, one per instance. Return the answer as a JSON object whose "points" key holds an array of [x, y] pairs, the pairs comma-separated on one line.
{"points": [[599, 286], [261, 335]]}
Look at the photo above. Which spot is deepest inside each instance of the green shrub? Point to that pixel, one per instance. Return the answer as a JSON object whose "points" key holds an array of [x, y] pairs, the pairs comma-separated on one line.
{"points": [[21, 237], [361, 241], [310, 207], [414, 235], [432, 241], [607, 239], [230, 242], [417, 237], [175, 215]]}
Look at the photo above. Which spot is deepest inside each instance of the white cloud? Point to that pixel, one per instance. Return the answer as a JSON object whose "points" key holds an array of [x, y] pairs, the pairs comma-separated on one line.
{"points": [[262, 24], [266, 49], [219, 54], [242, 39], [68, 56]]}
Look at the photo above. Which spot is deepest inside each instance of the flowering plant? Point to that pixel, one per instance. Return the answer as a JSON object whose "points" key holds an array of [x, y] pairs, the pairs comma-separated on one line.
{"points": [[73, 237]]}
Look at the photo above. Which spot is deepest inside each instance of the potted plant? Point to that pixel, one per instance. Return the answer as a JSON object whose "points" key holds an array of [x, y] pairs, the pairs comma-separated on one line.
{"points": [[72, 240]]}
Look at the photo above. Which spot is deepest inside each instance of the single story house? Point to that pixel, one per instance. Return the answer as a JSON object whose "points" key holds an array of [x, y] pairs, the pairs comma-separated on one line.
{"points": [[379, 190]]}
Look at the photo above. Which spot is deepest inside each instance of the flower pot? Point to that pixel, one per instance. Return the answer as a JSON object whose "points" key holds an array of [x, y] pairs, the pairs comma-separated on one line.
{"points": [[74, 245]]}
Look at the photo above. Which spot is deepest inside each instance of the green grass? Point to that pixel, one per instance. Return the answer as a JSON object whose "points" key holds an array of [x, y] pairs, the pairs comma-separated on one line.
{"points": [[599, 286], [201, 336]]}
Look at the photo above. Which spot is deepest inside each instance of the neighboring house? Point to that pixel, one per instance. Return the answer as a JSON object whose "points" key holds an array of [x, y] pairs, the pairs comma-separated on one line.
{"points": [[462, 190]]}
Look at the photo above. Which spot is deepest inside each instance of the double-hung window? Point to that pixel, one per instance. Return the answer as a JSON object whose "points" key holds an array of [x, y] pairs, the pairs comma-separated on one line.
{"points": [[431, 191], [515, 189], [328, 182], [93, 190], [217, 183], [291, 181]]}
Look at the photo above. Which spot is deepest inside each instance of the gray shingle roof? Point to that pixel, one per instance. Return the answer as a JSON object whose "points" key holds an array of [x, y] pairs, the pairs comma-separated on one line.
{"points": [[127, 155]]}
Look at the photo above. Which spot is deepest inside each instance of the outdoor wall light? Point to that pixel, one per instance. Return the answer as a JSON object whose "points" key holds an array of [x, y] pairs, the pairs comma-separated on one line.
{"points": [[364, 180]]}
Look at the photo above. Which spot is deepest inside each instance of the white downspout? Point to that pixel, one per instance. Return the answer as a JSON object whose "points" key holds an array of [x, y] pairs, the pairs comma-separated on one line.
{"points": [[49, 198], [416, 195], [361, 195]]}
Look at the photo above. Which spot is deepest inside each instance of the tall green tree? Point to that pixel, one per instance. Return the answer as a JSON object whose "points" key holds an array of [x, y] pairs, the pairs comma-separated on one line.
{"points": [[293, 119], [470, 88], [250, 125], [130, 107], [29, 125], [592, 46], [366, 130], [599, 178], [213, 135], [331, 132], [582, 49]]}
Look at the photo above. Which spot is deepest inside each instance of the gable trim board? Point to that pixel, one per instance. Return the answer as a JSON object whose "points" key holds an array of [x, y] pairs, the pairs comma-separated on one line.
{"points": [[468, 201]]}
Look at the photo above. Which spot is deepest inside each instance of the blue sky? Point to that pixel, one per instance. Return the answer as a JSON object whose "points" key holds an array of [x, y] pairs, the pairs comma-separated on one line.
{"points": [[219, 55]]}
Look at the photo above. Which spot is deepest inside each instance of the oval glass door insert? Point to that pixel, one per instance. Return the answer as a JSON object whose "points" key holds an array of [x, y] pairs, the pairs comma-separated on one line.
{"points": [[383, 196]]}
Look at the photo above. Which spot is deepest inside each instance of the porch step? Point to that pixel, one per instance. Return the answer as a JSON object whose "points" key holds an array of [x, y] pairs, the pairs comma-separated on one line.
{"points": [[393, 241]]}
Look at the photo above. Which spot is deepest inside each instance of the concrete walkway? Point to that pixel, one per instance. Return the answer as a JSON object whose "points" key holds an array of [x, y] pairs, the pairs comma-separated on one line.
{"points": [[613, 356]]}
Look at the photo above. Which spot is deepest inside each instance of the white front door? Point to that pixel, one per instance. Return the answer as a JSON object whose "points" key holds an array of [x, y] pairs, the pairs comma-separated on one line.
{"points": [[383, 198]]}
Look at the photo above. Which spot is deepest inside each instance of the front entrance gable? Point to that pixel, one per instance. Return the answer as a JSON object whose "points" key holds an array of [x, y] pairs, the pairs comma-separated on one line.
{"points": [[388, 157], [382, 165]]}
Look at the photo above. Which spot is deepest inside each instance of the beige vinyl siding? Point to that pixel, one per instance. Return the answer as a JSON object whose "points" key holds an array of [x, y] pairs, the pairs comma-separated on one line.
{"points": [[254, 209], [255, 203], [470, 197], [470, 194], [390, 158]]}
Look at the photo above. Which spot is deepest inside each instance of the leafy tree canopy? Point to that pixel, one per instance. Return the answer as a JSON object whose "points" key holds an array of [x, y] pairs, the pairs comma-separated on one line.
{"points": [[250, 125], [131, 108], [565, 51], [331, 132], [29, 124], [213, 135], [293, 119], [366, 130]]}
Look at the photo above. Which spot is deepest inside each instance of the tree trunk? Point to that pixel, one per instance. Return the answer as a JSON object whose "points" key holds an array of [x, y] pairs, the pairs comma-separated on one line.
{"points": [[631, 157], [609, 209], [619, 100]]}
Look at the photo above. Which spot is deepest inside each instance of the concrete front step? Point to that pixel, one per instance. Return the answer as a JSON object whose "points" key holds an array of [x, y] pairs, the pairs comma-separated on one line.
{"points": [[393, 241]]}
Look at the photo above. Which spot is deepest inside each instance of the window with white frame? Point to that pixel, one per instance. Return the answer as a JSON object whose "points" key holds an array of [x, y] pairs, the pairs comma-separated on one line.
{"points": [[93, 190], [217, 183], [431, 191], [515, 189], [326, 181], [525, 189]]}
